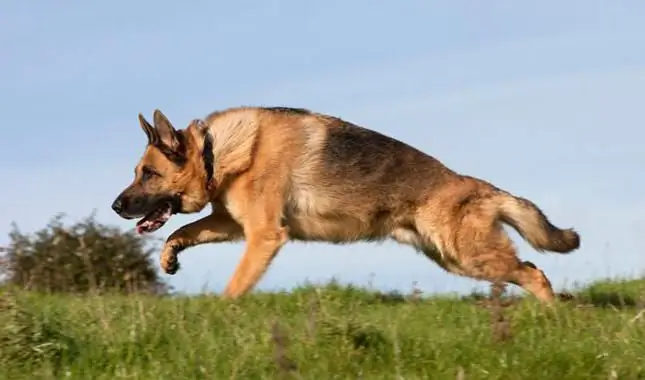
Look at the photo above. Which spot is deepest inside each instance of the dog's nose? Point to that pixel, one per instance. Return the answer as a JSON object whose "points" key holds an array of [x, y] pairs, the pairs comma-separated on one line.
{"points": [[117, 206]]}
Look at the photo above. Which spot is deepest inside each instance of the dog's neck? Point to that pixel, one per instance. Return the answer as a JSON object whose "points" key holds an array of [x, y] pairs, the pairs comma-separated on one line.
{"points": [[201, 131]]}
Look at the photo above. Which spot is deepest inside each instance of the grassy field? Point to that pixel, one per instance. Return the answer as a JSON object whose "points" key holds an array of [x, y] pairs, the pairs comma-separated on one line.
{"points": [[332, 332]]}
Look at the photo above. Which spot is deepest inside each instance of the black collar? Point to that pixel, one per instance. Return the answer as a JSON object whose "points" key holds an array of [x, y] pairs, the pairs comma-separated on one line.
{"points": [[207, 153]]}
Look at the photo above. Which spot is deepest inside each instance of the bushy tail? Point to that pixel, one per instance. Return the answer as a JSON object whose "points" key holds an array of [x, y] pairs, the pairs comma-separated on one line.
{"points": [[531, 223]]}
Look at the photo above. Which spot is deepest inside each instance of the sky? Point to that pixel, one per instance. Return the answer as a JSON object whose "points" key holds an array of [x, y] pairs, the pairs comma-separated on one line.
{"points": [[541, 98]]}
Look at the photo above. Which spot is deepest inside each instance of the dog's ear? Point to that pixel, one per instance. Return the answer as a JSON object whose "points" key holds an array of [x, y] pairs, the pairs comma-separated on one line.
{"points": [[151, 132], [166, 132]]}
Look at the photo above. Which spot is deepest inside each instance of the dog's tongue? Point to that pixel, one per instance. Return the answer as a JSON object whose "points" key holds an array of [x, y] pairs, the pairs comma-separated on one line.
{"points": [[155, 220]]}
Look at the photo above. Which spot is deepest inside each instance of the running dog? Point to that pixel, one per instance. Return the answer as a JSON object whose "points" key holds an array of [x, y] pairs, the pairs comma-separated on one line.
{"points": [[274, 174]]}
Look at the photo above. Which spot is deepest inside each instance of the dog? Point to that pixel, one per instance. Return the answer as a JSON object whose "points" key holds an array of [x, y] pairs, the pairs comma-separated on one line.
{"points": [[275, 174]]}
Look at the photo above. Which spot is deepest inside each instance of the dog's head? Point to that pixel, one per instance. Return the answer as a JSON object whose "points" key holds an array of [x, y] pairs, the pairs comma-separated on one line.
{"points": [[168, 179]]}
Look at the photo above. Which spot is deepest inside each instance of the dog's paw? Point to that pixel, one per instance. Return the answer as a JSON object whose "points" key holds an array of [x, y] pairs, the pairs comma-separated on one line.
{"points": [[170, 264]]}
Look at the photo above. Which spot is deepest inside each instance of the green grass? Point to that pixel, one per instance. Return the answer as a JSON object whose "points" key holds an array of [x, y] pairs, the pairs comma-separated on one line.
{"points": [[333, 332]]}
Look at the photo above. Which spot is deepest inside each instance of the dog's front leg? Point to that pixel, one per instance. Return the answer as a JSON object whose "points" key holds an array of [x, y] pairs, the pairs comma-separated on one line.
{"points": [[261, 247], [216, 227], [265, 235]]}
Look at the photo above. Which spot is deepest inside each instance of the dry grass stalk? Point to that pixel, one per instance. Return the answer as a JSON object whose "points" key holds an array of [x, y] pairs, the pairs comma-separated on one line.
{"points": [[500, 324], [286, 366]]}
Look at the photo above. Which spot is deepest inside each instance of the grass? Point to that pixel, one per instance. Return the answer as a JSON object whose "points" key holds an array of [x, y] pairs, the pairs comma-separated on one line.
{"points": [[331, 332]]}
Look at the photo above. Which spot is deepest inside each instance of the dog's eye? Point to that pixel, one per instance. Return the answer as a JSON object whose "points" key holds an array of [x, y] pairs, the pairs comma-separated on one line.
{"points": [[147, 173]]}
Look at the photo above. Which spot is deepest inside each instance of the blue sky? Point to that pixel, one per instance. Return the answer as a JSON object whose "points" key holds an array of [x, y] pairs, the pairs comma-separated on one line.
{"points": [[541, 98]]}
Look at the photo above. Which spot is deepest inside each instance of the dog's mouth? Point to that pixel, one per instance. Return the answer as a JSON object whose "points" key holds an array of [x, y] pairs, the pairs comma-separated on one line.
{"points": [[156, 219]]}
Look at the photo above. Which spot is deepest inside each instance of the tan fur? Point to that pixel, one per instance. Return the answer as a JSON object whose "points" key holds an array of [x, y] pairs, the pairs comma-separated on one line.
{"points": [[289, 174], [234, 142]]}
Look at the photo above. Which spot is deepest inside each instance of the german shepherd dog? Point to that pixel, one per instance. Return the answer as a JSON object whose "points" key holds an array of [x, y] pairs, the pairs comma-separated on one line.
{"points": [[274, 174]]}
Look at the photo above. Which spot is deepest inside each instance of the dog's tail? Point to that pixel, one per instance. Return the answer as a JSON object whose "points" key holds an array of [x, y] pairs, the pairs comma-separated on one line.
{"points": [[531, 223]]}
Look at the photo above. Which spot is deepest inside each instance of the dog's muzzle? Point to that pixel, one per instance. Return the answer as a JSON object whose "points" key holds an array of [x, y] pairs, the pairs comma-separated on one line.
{"points": [[122, 206], [117, 206]]}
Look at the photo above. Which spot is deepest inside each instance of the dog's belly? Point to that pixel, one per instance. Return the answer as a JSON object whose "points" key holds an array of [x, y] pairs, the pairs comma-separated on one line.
{"points": [[340, 229]]}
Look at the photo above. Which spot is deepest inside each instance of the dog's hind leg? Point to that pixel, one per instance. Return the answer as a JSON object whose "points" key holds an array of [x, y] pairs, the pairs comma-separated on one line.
{"points": [[532, 279], [216, 227], [498, 263], [477, 246], [485, 252]]}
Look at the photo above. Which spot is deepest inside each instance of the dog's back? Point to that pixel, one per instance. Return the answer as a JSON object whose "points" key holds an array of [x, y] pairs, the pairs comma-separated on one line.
{"points": [[351, 183]]}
